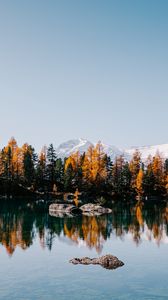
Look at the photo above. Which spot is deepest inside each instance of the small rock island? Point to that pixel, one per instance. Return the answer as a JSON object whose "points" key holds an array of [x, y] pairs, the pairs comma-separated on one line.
{"points": [[107, 261]]}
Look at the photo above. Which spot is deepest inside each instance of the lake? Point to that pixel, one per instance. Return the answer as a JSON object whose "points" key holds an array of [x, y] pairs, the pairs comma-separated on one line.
{"points": [[35, 249]]}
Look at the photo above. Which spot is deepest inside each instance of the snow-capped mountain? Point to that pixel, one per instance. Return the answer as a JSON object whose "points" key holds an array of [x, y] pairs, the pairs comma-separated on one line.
{"points": [[81, 145], [72, 146], [149, 150], [113, 151]]}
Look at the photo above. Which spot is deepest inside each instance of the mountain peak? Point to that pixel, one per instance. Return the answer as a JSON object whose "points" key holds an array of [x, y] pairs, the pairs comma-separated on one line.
{"points": [[67, 148], [80, 144]]}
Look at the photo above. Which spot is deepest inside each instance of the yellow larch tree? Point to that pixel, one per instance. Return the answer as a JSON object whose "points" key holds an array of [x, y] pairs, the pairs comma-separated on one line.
{"points": [[87, 166], [94, 164], [134, 166], [158, 171], [99, 163], [139, 182], [74, 161]]}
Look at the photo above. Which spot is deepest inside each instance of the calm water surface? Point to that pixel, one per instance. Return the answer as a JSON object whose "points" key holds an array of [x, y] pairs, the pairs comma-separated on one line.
{"points": [[35, 249]]}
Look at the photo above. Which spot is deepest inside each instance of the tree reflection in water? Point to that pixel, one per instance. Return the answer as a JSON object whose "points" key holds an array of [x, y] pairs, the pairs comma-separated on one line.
{"points": [[22, 224]]}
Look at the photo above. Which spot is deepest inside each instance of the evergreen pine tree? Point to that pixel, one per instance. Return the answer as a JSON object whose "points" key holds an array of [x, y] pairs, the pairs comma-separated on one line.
{"points": [[41, 170], [29, 163], [51, 162], [59, 173]]}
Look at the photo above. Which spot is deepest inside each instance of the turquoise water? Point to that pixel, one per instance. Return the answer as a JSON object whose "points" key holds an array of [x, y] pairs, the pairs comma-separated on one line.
{"points": [[35, 249]]}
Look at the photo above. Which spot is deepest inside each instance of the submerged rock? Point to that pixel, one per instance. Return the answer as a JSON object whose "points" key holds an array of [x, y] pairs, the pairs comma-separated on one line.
{"points": [[107, 261], [91, 209]]}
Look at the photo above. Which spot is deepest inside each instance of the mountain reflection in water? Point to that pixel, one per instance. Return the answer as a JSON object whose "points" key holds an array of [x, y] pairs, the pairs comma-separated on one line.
{"points": [[22, 224]]}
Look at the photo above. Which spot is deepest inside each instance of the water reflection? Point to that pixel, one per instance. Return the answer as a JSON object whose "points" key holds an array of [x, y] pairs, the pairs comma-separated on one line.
{"points": [[21, 224]]}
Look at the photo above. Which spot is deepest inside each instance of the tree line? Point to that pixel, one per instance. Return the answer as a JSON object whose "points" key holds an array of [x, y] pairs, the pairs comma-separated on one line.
{"points": [[91, 172]]}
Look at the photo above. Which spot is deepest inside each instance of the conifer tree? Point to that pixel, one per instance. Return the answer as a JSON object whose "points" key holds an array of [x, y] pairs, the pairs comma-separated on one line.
{"points": [[74, 166], [148, 178], [109, 168], [41, 171], [87, 166], [69, 176], [94, 166], [29, 163], [3, 164], [116, 174], [135, 165], [125, 180], [99, 164], [51, 162], [139, 182], [158, 171], [59, 173]]}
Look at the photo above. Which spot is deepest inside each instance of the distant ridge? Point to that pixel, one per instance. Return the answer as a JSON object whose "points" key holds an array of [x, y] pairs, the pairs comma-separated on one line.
{"points": [[67, 148], [149, 150]]}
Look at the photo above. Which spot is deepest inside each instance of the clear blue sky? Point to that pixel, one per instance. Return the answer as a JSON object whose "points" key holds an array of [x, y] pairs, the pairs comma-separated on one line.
{"points": [[92, 69]]}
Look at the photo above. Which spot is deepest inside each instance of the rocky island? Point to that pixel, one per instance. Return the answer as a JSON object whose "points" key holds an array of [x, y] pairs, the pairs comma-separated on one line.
{"points": [[107, 261]]}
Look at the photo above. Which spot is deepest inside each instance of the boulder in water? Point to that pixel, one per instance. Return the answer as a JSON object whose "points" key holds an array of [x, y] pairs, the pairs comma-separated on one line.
{"points": [[107, 261]]}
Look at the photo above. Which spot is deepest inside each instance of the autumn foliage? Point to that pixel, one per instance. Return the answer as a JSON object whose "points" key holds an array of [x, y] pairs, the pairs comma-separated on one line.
{"points": [[90, 172]]}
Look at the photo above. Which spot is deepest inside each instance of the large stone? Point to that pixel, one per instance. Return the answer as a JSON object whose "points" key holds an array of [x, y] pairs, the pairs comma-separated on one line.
{"points": [[55, 209], [91, 209], [107, 261]]}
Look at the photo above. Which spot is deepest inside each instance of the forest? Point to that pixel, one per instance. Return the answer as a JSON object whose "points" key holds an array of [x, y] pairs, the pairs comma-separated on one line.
{"points": [[93, 172]]}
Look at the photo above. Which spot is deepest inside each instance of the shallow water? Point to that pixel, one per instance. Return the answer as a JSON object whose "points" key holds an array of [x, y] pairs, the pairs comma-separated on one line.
{"points": [[35, 250]]}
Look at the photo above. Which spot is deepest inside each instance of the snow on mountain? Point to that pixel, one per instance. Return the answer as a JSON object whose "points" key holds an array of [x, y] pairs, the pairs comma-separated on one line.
{"points": [[81, 145], [72, 146], [149, 150], [112, 151]]}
